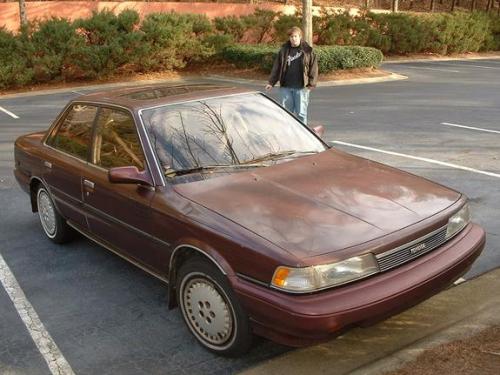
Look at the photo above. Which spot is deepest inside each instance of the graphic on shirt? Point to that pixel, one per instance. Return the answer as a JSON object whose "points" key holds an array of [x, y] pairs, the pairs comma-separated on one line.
{"points": [[292, 58]]}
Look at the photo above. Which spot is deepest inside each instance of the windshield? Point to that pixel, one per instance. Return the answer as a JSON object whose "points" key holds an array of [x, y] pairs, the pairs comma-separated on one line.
{"points": [[225, 131]]}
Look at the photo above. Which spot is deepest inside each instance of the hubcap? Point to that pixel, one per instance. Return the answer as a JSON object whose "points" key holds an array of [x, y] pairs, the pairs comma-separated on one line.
{"points": [[208, 313], [47, 213]]}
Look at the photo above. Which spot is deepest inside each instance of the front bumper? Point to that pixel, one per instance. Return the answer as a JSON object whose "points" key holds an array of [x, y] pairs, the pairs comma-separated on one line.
{"points": [[299, 320]]}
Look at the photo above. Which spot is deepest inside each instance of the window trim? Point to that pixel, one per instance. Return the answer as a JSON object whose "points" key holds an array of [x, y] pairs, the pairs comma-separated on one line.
{"points": [[60, 121], [92, 153], [137, 123]]}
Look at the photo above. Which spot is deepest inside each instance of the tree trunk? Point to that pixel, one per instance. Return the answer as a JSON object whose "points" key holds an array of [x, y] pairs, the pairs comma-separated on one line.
{"points": [[473, 5], [433, 5], [453, 5], [367, 4], [307, 21], [395, 5], [22, 13]]}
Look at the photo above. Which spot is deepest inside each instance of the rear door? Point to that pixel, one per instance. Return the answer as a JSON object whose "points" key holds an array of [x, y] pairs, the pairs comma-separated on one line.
{"points": [[119, 214], [65, 159]]}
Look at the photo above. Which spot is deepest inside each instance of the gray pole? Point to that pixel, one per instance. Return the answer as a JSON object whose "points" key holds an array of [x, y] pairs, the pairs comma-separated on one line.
{"points": [[22, 13], [307, 21]]}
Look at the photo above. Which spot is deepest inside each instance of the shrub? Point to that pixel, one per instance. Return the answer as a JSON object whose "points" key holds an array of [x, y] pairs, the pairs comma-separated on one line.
{"points": [[218, 41], [111, 41], [330, 58], [492, 41], [173, 40], [48, 47], [231, 25], [260, 23], [14, 70], [250, 56]]}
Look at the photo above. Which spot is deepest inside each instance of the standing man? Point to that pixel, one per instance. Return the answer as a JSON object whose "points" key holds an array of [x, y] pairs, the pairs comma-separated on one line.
{"points": [[296, 69]]}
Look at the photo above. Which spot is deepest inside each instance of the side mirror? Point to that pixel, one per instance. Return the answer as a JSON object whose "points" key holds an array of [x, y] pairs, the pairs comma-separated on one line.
{"points": [[129, 175], [319, 130]]}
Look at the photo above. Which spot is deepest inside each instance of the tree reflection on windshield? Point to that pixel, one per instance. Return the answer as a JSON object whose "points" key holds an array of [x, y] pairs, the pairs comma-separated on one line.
{"points": [[224, 131]]}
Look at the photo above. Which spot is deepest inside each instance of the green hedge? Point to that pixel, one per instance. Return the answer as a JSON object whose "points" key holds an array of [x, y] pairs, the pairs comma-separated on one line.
{"points": [[106, 43], [330, 58], [403, 33]]}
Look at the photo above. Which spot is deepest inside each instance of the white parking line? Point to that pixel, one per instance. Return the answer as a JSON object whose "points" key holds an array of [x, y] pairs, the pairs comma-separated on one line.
{"points": [[481, 66], [450, 165], [466, 65], [44, 342], [8, 112], [439, 70], [470, 127]]}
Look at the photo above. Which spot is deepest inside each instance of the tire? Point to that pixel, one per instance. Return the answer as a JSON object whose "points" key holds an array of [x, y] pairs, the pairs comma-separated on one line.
{"points": [[211, 310], [53, 224]]}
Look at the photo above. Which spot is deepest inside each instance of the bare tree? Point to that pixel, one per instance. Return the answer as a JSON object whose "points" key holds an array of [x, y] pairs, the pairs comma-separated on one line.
{"points": [[22, 13], [307, 21]]}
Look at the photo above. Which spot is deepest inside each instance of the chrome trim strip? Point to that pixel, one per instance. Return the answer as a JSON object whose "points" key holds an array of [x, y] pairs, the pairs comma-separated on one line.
{"points": [[408, 244], [172, 257], [108, 217], [108, 247], [252, 280]]}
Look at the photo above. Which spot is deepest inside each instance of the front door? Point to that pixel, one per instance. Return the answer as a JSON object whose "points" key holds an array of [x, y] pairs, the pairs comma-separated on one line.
{"points": [[66, 157], [119, 214]]}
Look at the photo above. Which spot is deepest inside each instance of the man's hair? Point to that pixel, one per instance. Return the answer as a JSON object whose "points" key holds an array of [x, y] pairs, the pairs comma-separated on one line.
{"points": [[294, 30]]}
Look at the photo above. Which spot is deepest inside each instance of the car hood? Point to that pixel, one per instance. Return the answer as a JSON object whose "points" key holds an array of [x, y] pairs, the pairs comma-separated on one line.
{"points": [[321, 203]]}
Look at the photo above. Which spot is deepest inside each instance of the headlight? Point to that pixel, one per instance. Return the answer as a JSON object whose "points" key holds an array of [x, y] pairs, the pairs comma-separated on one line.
{"points": [[310, 279], [458, 221]]}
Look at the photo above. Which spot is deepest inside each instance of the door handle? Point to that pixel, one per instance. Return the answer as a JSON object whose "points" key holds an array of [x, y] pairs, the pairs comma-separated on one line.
{"points": [[88, 183], [48, 164]]}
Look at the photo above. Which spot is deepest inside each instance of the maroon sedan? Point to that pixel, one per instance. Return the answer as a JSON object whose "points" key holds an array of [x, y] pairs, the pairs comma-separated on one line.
{"points": [[256, 224]]}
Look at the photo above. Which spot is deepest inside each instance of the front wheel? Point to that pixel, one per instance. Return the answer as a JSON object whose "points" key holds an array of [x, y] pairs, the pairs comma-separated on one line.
{"points": [[53, 223], [210, 309]]}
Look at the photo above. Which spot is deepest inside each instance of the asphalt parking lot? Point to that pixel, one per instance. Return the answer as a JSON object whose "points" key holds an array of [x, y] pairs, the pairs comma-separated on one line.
{"points": [[106, 316]]}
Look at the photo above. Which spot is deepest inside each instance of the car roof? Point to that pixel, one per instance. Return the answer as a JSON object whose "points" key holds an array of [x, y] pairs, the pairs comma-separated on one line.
{"points": [[140, 97]]}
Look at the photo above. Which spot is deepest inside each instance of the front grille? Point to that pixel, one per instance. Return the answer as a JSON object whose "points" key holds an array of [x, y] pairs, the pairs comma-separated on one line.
{"points": [[412, 250]]}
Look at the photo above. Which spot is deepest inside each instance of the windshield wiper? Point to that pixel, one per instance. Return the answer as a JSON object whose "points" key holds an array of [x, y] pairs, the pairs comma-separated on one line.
{"points": [[179, 172], [277, 155]]}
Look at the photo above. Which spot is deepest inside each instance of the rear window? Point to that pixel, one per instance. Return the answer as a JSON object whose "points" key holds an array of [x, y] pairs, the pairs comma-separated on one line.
{"points": [[74, 133]]}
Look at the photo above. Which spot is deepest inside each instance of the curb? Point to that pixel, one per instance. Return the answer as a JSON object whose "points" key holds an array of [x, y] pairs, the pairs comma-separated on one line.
{"points": [[343, 82], [430, 59]]}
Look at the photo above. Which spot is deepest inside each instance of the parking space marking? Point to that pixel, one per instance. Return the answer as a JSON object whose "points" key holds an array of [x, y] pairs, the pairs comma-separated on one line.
{"points": [[467, 65], [470, 127], [436, 69], [8, 112], [450, 165], [44, 342]]}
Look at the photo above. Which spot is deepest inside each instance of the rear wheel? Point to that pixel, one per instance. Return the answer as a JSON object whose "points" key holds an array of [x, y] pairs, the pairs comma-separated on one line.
{"points": [[53, 223], [211, 310]]}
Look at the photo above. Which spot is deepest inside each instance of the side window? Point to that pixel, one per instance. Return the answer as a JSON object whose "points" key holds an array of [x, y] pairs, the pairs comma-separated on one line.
{"points": [[74, 134], [116, 141]]}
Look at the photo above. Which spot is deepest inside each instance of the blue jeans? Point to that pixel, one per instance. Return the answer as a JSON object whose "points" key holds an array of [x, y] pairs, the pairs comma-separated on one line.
{"points": [[295, 101]]}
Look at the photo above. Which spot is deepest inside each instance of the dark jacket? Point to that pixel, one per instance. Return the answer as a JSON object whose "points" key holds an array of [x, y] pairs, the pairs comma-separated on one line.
{"points": [[309, 65]]}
